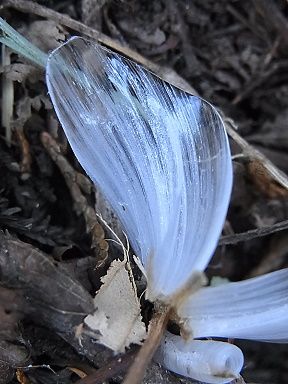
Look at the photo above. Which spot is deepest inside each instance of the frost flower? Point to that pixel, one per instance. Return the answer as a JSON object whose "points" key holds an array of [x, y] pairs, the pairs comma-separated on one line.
{"points": [[255, 309], [161, 158]]}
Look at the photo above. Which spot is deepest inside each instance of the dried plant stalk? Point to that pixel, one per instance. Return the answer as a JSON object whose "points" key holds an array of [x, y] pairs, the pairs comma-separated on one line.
{"points": [[156, 329]]}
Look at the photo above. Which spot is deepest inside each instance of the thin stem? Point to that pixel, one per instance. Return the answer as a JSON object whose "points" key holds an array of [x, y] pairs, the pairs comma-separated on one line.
{"points": [[19, 44], [7, 101], [145, 355]]}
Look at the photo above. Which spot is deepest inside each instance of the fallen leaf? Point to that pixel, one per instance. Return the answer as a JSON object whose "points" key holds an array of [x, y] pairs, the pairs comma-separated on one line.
{"points": [[51, 295], [21, 377], [117, 321], [264, 181]]}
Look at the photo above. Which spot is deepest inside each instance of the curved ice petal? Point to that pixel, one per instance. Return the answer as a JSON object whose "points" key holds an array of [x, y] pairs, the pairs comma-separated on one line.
{"points": [[255, 309], [204, 360], [160, 156]]}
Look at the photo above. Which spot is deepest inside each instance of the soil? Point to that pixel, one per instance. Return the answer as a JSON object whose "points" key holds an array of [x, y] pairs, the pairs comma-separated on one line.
{"points": [[234, 54]]}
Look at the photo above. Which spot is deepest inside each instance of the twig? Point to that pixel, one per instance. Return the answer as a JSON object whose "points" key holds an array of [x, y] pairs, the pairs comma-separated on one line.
{"points": [[157, 327], [253, 233], [7, 97], [81, 205]]}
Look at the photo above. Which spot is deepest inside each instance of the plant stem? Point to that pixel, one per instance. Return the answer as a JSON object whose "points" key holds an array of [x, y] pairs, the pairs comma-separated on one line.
{"points": [[156, 329], [7, 101], [19, 44]]}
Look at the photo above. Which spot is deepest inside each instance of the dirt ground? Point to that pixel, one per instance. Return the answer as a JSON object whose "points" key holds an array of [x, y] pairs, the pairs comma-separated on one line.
{"points": [[233, 53]]}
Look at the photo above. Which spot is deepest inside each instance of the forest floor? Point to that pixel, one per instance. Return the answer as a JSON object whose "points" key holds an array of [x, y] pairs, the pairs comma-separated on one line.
{"points": [[232, 53]]}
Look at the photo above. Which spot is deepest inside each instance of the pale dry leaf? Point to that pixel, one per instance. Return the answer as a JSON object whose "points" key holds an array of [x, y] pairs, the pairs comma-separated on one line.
{"points": [[117, 319], [98, 321]]}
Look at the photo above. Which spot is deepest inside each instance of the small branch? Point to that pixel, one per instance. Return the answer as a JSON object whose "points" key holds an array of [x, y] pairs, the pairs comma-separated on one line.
{"points": [[253, 233], [156, 329], [7, 97]]}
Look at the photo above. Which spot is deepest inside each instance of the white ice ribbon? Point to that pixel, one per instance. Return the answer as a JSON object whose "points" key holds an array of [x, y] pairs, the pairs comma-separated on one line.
{"points": [[160, 156], [255, 309], [204, 360]]}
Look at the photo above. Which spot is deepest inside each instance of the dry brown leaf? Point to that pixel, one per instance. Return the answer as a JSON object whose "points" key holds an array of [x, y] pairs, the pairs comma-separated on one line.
{"points": [[264, 181], [21, 377], [264, 174], [78, 372], [117, 319]]}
